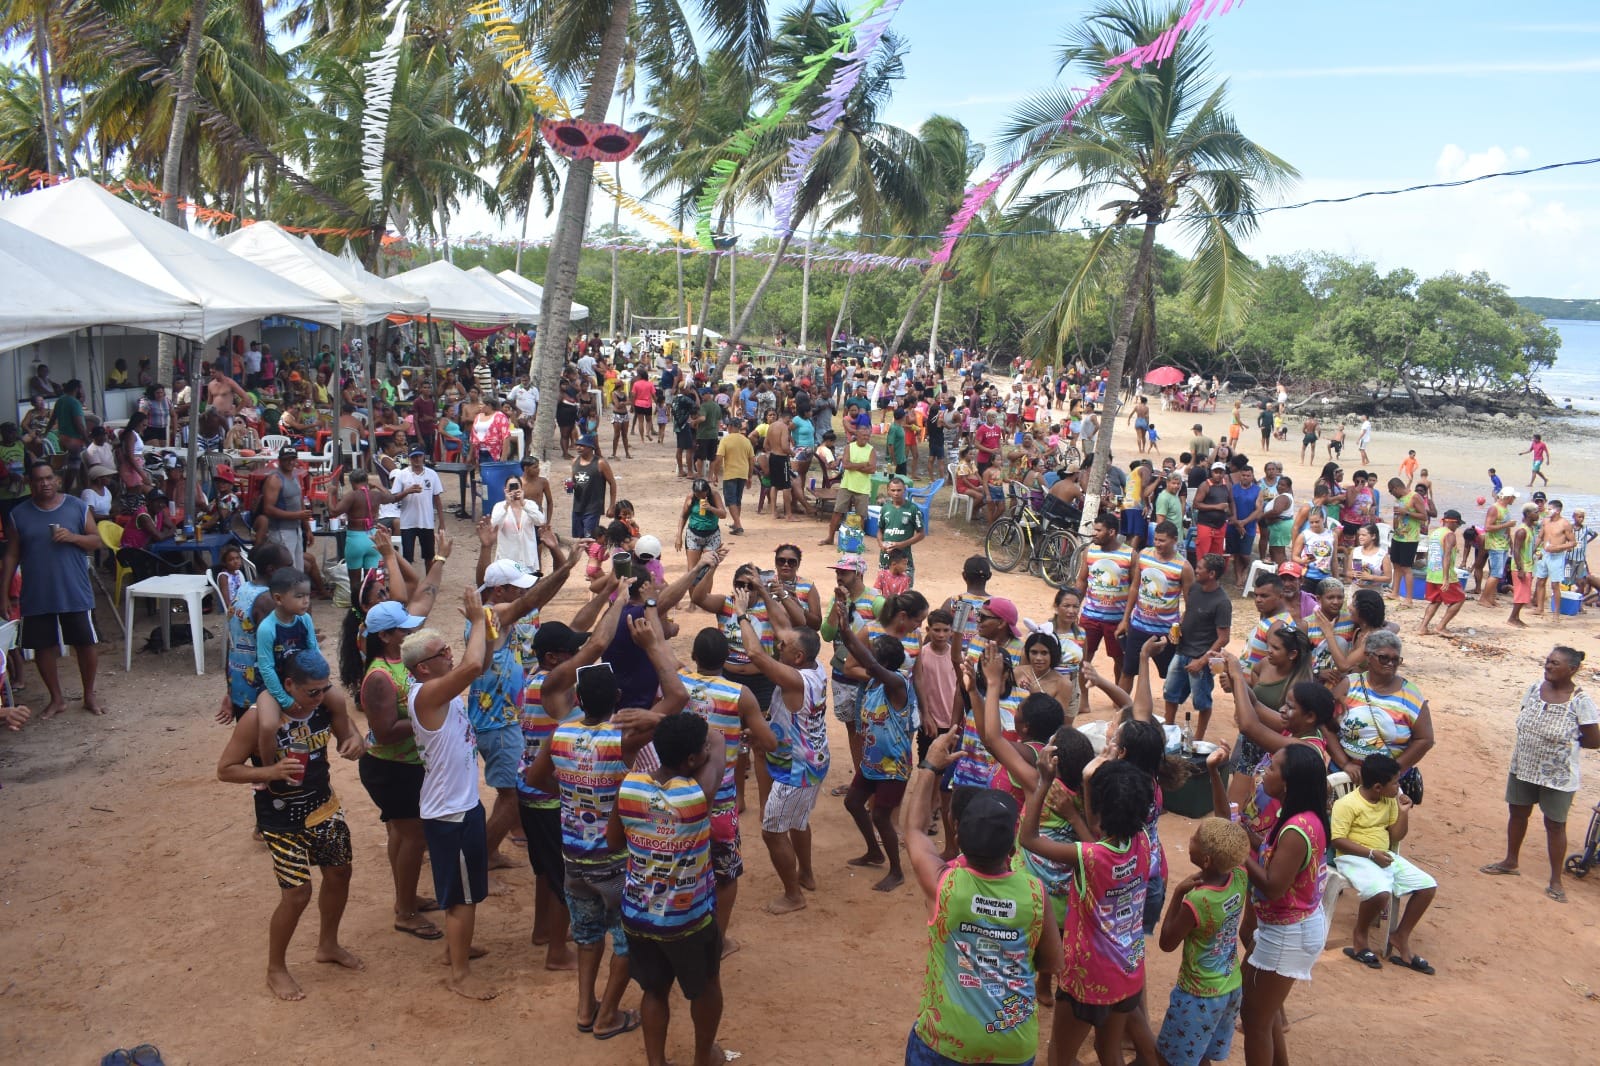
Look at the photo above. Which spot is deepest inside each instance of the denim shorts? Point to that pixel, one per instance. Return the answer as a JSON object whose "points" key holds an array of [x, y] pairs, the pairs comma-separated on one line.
{"points": [[594, 898], [1497, 561], [501, 750], [1198, 1027], [1181, 684], [918, 1053], [1155, 898]]}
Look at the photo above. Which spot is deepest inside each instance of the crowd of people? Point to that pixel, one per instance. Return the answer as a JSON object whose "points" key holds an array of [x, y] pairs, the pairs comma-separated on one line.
{"points": [[1021, 781]]}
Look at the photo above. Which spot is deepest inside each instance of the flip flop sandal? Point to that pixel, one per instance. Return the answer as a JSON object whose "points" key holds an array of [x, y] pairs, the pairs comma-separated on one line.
{"points": [[586, 1027], [630, 1022], [118, 1057], [1494, 869], [422, 932], [146, 1055], [1368, 958], [1559, 895], [1417, 963]]}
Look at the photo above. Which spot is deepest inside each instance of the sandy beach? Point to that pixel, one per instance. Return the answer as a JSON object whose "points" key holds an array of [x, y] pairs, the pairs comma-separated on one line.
{"points": [[136, 903]]}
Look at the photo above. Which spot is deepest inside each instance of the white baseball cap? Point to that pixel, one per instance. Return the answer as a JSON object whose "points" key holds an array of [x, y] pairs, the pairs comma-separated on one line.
{"points": [[505, 572], [648, 545]]}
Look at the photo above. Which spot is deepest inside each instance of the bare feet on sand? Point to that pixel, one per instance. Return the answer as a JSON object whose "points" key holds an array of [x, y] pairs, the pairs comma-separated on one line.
{"points": [[785, 905], [470, 986], [51, 709], [871, 858], [341, 956], [808, 880], [729, 946], [92, 704], [283, 986], [474, 952]]}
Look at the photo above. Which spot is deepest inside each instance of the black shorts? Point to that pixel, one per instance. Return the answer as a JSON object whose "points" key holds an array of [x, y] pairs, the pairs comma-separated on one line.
{"points": [[694, 961], [685, 438], [705, 449], [642, 412], [395, 787], [884, 793], [778, 471], [1403, 553], [1135, 639], [924, 742], [459, 855], [566, 415], [238, 710], [542, 827], [72, 629], [1096, 1014]]}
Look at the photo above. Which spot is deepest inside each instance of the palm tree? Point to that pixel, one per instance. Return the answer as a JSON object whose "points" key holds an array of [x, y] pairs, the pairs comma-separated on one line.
{"points": [[587, 39], [866, 170], [1163, 146], [950, 155]]}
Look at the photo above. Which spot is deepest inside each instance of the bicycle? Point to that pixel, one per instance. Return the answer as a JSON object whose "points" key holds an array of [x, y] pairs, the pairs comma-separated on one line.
{"points": [[1051, 550]]}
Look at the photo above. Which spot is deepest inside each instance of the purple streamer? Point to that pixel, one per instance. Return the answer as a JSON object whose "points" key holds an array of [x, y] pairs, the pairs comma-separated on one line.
{"points": [[828, 113]]}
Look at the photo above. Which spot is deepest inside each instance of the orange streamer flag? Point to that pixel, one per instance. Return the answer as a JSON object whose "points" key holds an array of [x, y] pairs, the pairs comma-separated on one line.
{"points": [[523, 72]]}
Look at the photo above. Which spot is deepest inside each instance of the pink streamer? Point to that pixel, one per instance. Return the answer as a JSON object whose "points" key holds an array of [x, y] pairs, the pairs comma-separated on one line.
{"points": [[1156, 52]]}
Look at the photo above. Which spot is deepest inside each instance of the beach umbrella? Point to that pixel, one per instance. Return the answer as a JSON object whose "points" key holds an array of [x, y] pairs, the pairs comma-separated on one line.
{"points": [[1164, 376]]}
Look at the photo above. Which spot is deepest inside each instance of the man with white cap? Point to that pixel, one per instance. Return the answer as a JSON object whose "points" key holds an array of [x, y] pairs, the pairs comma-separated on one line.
{"points": [[422, 512], [1497, 542], [513, 595], [849, 681]]}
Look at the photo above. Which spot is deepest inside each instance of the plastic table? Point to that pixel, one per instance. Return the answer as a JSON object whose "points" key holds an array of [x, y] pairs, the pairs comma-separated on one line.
{"points": [[192, 589], [210, 543]]}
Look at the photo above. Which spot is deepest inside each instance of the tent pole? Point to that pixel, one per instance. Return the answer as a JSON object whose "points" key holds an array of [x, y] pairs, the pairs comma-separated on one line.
{"points": [[372, 410], [191, 466]]}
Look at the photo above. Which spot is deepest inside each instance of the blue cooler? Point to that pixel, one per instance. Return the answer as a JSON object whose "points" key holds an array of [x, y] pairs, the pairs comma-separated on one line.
{"points": [[493, 476]]}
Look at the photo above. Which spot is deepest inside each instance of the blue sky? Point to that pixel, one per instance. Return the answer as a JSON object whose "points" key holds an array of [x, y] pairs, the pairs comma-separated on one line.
{"points": [[1360, 95]]}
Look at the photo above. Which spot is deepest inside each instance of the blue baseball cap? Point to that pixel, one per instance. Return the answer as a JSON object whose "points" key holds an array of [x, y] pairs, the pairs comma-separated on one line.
{"points": [[391, 614]]}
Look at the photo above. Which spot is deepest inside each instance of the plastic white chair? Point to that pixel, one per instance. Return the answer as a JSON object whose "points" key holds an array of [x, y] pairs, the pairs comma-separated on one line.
{"points": [[1385, 534], [192, 589], [1339, 786], [319, 462], [1258, 568], [959, 501], [273, 443], [8, 641], [515, 447]]}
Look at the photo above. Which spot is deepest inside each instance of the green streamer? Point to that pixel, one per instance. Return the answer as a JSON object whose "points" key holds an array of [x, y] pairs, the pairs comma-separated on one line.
{"points": [[741, 144]]}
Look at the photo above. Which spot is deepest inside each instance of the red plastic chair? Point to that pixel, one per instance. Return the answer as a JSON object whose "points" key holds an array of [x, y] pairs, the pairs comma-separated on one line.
{"points": [[321, 486]]}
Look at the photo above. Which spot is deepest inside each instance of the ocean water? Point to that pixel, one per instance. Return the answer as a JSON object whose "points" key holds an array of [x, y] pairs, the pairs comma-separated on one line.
{"points": [[1575, 379]]}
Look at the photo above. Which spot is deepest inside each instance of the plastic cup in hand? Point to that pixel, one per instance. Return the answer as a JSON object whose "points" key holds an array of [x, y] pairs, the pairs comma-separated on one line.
{"points": [[301, 754], [1219, 665]]}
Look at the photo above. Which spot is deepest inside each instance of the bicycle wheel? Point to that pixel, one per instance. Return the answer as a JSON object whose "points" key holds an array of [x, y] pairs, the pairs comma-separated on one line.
{"points": [[1056, 558], [1005, 545]]}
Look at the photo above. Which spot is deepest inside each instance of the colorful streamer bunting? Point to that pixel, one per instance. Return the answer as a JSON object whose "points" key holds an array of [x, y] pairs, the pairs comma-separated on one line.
{"points": [[524, 73], [740, 146], [380, 72], [1157, 51], [829, 112]]}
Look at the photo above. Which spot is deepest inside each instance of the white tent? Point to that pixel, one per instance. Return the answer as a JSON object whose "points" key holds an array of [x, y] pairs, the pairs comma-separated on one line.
{"points": [[685, 331], [271, 247], [456, 295], [46, 290], [534, 293], [230, 291]]}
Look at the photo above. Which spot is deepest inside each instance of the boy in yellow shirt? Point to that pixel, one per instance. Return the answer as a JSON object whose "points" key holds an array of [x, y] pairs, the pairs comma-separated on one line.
{"points": [[1367, 824]]}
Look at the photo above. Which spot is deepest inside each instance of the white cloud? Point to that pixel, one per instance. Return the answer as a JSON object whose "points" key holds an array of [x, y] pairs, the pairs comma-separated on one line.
{"points": [[1538, 237]]}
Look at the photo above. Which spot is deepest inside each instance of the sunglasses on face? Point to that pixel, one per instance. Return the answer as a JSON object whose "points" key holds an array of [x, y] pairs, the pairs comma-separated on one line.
{"points": [[788, 562], [442, 651], [1385, 660], [317, 693]]}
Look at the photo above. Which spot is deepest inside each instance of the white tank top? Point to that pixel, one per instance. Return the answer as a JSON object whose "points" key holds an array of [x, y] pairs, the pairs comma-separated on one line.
{"points": [[449, 761]]}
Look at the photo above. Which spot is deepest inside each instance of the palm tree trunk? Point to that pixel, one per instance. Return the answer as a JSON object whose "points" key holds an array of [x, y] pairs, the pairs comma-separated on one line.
{"points": [[527, 206], [1119, 354], [172, 166], [699, 342], [938, 306], [844, 305], [929, 280], [561, 275], [733, 285], [41, 49], [750, 308], [805, 287], [677, 254], [616, 232]]}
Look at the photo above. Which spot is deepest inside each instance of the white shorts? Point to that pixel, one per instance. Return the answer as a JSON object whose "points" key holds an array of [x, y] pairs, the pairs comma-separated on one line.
{"points": [[1290, 950], [788, 807], [1369, 879]]}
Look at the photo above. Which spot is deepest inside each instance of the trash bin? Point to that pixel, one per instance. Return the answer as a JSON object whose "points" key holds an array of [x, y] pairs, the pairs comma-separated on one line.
{"points": [[493, 476]]}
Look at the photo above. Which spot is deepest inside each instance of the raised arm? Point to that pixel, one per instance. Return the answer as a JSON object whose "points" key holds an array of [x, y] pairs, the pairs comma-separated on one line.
{"points": [[987, 716], [694, 580], [436, 694], [1144, 704], [926, 862], [781, 674], [701, 595], [893, 682], [1028, 835], [427, 592]]}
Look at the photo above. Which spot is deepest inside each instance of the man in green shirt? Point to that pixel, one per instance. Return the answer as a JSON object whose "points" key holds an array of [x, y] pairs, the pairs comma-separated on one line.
{"points": [[708, 424], [855, 487], [1497, 526], [895, 441], [1409, 511], [1169, 503], [72, 430], [13, 462], [899, 526]]}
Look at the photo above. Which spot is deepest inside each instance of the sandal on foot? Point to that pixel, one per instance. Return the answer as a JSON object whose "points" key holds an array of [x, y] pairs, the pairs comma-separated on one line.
{"points": [[1557, 894], [421, 932], [588, 1026], [1368, 958], [146, 1055], [1417, 963], [630, 1022], [1494, 869]]}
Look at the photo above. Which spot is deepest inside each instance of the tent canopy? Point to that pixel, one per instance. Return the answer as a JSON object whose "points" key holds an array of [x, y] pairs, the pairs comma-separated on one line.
{"points": [[46, 290], [534, 293], [685, 331], [457, 295], [80, 215], [271, 247]]}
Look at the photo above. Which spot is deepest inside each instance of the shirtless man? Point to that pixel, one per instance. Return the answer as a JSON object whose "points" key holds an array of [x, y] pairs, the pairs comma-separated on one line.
{"points": [[780, 452], [1308, 439], [1556, 539], [536, 488], [224, 394]]}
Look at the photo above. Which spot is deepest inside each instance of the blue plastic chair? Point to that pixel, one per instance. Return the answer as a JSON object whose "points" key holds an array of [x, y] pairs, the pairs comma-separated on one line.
{"points": [[923, 498]]}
